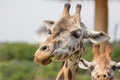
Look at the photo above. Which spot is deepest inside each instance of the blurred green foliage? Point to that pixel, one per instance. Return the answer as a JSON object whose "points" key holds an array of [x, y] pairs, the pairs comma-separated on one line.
{"points": [[18, 51], [16, 63]]}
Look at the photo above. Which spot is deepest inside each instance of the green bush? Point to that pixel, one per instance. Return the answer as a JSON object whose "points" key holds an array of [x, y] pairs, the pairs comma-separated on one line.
{"points": [[18, 51], [16, 70], [116, 52]]}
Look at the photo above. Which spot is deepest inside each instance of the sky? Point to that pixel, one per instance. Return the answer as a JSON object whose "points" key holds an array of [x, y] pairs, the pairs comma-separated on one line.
{"points": [[20, 19]]}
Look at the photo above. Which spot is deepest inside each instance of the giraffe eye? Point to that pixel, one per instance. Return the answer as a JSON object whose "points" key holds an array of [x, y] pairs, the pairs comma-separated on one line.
{"points": [[113, 67], [49, 32], [76, 33]]}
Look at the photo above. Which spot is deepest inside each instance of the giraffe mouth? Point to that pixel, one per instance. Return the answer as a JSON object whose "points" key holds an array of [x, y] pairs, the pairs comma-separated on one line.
{"points": [[43, 58], [46, 61], [43, 61]]}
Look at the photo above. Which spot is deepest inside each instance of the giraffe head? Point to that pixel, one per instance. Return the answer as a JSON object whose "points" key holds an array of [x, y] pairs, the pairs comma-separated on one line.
{"points": [[101, 67], [65, 37]]}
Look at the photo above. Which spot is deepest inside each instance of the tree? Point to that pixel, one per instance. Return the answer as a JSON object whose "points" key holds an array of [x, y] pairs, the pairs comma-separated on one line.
{"points": [[101, 19]]}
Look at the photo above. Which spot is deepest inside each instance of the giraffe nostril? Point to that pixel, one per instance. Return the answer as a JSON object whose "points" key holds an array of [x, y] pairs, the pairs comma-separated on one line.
{"points": [[104, 75], [98, 76], [43, 48]]}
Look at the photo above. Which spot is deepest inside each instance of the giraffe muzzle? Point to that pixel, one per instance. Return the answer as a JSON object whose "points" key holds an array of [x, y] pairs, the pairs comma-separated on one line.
{"points": [[43, 58]]}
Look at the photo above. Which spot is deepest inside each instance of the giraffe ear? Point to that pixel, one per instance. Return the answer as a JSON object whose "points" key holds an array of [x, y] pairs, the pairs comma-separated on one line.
{"points": [[118, 66], [82, 25], [48, 23], [95, 36], [84, 64]]}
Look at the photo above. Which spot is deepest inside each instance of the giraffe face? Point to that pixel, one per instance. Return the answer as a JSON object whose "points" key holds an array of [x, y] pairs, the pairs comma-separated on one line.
{"points": [[66, 37], [101, 67]]}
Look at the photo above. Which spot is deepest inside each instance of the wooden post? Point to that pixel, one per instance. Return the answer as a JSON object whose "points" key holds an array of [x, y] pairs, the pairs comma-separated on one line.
{"points": [[101, 19]]}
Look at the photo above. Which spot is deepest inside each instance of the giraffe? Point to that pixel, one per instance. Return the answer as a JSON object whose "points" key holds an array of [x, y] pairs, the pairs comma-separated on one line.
{"points": [[65, 42], [101, 67]]}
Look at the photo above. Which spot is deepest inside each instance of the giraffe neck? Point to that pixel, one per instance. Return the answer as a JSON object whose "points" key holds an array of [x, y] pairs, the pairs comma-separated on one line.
{"points": [[70, 66], [68, 70]]}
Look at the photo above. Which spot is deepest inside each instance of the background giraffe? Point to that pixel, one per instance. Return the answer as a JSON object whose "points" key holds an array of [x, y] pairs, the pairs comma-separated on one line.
{"points": [[101, 67], [65, 42]]}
